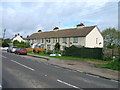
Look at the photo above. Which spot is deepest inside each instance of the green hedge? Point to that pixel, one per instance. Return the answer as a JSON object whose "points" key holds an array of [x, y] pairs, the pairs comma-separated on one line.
{"points": [[74, 51]]}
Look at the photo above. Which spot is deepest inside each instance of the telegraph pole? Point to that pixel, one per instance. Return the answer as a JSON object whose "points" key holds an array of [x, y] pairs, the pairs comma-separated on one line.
{"points": [[4, 34]]}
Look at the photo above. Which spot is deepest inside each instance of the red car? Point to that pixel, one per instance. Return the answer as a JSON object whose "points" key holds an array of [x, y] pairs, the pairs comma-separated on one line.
{"points": [[21, 51]]}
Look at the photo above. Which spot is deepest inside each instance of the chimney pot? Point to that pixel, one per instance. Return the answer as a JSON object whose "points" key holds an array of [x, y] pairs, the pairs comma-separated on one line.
{"points": [[80, 25], [39, 30], [55, 28]]}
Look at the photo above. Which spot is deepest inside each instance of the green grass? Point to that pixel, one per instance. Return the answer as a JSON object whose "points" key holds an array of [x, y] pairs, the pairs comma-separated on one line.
{"points": [[70, 57], [39, 54], [78, 58], [114, 65]]}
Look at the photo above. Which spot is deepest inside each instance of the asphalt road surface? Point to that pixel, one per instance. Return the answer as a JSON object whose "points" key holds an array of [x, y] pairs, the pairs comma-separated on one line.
{"points": [[26, 72]]}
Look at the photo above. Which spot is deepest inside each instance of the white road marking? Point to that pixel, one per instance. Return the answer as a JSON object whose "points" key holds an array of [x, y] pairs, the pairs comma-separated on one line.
{"points": [[67, 83], [45, 75], [0, 86], [114, 80], [22, 65], [4, 57]]}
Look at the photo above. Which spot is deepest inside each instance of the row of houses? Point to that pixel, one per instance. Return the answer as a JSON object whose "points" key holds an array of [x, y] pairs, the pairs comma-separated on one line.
{"points": [[81, 35]]}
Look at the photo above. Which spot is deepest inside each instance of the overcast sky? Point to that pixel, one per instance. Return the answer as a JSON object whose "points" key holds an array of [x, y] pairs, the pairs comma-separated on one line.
{"points": [[26, 18]]}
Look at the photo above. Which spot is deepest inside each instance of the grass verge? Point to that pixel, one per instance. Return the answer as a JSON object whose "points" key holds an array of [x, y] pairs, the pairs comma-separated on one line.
{"points": [[114, 65], [39, 54], [70, 57]]}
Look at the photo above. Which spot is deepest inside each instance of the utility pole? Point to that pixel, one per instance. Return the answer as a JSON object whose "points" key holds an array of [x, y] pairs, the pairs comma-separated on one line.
{"points": [[4, 34]]}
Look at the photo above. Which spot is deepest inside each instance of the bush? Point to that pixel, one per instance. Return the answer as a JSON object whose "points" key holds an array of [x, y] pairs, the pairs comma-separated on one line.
{"points": [[34, 51], [57, 47], [43, 52], [21, 44], [4, 44], [49, 52]]}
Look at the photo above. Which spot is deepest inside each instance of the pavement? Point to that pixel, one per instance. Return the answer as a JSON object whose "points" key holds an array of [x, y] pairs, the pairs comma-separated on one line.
{"points": [[82, 66]]}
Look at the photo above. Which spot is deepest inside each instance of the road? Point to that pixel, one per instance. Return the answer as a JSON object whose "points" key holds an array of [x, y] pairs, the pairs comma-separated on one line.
{"points": [[26, 72]]}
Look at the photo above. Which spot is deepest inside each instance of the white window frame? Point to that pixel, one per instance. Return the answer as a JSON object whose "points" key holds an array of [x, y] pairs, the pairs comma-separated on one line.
{"points": [[75, 39], [64, 40]]}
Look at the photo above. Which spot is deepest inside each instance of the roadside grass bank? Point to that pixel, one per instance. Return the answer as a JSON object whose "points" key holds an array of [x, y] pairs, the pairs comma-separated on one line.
{"points": [[114, 65], [39, 53], [70, 57]]}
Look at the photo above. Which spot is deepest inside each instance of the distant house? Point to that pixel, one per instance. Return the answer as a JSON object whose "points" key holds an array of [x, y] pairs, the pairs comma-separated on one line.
{"points": [[85, 36], [18, 38]]}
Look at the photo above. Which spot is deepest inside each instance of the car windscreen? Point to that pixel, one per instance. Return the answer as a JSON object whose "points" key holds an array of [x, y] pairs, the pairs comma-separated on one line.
{"points": [[18, 48], [23, 49], [15, 47]]}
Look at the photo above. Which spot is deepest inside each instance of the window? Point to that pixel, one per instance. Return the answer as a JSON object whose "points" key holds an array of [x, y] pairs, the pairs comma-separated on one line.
{"points": [[63, 47], [53, 46], [48, 40], [96, 40], [42, 46], [48, 47], [75, 39], [64, 40], [58, 39], [53, 40]]}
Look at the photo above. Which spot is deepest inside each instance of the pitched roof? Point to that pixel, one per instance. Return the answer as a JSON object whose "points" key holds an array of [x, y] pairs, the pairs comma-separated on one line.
{"points": [[73, 32]]}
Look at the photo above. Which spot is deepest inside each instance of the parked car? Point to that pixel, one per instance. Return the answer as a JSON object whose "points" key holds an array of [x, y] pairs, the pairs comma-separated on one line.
{"points": [[12, 49], [21, 51], [4, 48]]}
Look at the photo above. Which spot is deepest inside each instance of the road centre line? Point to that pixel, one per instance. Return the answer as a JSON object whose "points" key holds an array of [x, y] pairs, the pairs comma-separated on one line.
{"points": [[68, 84], [22, 65]]}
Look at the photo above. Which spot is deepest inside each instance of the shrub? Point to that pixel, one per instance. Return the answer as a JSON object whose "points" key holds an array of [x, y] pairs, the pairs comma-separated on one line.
{"points": [[49, 52], [4, 44], [21, 44]]}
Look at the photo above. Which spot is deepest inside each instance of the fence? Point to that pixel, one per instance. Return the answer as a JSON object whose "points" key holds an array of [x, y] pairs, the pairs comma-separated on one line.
{"points": [[110, 53]]}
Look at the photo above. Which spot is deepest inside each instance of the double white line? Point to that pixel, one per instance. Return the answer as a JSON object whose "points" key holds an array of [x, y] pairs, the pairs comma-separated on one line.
{"points": [[22, 65]]}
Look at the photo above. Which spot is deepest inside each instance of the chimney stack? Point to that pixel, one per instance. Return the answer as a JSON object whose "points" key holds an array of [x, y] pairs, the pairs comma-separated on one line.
{"points": [[55, 28], [39, 31], [81, 25]]}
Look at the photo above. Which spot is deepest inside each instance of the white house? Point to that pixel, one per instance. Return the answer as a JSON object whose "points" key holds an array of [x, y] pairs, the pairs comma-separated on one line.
{"points": [[86, 36], [18, 38]]}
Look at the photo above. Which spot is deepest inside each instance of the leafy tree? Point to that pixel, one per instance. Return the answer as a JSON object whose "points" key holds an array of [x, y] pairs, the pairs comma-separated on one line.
{"points": [[57, 46], [8, 40], [16, 42], [5, 44], [21, 44], [110, 36]]}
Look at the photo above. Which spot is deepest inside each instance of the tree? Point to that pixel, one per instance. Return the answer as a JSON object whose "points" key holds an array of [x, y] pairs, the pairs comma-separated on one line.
{"points": [[21, 44], [8, 40], [57, 47], [5, 44], [110, 36], [16, 42]]}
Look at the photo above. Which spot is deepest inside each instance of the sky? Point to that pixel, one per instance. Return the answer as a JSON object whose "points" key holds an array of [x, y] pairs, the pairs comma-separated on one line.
{"points": [[27, 17]]}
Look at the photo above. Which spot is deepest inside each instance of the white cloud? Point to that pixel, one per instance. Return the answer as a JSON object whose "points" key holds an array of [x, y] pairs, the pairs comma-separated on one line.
{"points": [[26, 17]]}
